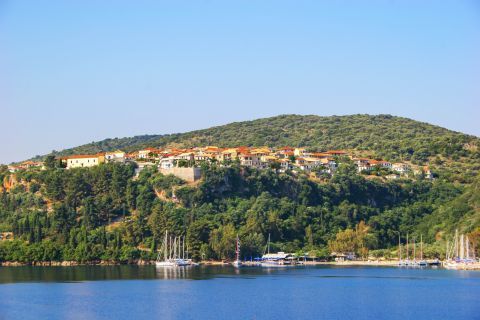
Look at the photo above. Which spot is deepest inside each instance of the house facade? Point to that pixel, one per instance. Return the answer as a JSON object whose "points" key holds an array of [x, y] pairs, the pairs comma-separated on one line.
{"points": [[83, 160]]}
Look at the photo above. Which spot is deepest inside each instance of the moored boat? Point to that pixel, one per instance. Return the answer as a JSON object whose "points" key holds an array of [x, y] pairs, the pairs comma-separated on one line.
{"points": [[459, 256], [172, 253], [237, 263], [279, 259]]}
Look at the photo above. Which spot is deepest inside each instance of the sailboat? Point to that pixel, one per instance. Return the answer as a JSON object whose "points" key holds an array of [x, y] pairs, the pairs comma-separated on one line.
{"points": [[422, 263], [279, 259], [407, 261], [459, 256], [237, 263], [401, 263], [172, 253]]}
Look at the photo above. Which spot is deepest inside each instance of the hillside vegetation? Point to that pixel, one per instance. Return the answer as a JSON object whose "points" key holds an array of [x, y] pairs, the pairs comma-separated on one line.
{"points": [[106, 213], [389, 136], [454, 155]]}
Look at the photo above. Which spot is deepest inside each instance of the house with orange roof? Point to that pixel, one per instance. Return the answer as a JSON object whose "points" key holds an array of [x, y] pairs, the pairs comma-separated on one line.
{"points": [[149, 153], [249, 160], [320, 155], [285, 164], [131, 155], [427, 173], [13, 168], [336, 152], [261, 151], [229, 154]]}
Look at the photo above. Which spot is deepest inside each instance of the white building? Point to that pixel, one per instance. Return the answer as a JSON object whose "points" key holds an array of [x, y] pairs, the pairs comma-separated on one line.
{"points": [[401, 167], [83, 160], [167, 163], [146, 153], [249, 160], [299, 152], [115, 156]]}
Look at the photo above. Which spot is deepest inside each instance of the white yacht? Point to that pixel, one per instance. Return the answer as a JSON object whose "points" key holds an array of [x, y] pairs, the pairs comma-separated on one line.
{"points": [[172, 253]]}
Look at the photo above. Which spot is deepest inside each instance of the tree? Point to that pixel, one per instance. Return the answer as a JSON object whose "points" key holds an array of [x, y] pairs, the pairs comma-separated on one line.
{"points": [[222, 241], [50, 162]]}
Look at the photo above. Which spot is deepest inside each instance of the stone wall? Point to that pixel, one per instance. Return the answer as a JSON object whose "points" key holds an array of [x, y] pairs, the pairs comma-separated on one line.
{"points": [[187, 174]]}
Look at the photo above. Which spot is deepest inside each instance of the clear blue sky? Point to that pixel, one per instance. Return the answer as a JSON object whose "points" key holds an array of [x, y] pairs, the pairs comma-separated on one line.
{"points": [[72, 72]]}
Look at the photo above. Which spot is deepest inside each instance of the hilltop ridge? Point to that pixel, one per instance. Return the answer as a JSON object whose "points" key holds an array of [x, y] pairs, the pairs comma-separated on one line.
{"points": [[380, 136], [389, 136]]}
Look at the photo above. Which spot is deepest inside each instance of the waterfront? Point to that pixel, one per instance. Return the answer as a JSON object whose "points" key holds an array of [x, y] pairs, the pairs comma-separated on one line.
{"points": [[327, 292]]}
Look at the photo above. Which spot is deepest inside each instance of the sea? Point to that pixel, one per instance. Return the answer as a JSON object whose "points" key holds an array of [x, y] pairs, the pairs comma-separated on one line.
{"points": [[223, 292]]}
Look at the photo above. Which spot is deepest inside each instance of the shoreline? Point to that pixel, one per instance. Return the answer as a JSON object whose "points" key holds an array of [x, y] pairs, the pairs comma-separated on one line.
{"points": [[388, 263]]}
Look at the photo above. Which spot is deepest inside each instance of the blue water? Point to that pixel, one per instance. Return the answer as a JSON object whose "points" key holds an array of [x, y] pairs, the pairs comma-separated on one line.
{"points": [[132, 292]]}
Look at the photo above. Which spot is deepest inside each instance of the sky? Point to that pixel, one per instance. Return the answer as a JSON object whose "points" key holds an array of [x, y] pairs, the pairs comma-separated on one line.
{"points": [[73, 72]]}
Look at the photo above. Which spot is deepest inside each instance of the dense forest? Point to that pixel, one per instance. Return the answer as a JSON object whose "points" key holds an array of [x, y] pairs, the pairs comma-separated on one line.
{"points": [[108, 213]]}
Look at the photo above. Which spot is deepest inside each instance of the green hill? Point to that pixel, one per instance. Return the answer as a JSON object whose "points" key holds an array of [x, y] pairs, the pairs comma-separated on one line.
{"points": [[107, 213], [391, 136], [454, 155]]}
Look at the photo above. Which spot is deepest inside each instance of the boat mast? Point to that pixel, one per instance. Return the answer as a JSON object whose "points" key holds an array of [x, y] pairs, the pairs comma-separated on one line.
{"points": [[237, 249], [462, 247], [421, 247], [406, 248], [165, 246], [268, 244], [446, 251], [414, 255], [456, 244], [183, 248], [399, 249]]}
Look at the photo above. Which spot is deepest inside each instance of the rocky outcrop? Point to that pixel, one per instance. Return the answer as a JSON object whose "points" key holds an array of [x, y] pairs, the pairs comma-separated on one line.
{"points": [[9, 182]]}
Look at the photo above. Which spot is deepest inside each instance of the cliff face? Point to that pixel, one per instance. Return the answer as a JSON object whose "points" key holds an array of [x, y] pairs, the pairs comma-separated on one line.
{"points": [[9, 182]]}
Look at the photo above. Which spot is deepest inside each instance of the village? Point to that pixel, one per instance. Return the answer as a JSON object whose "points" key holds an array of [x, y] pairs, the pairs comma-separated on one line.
{"points": [[186, 163]]}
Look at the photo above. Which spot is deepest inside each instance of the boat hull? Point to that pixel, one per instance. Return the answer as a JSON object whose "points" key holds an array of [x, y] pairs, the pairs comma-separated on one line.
{"points": [[237, 264]]}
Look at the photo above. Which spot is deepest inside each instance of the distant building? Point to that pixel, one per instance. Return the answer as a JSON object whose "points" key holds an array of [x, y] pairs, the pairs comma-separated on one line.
{"points": [[427, 173], [299, 152], [342, 257], [118, 156], [148, 153], [401, 167], [25, 165], [249, 160], [167, 163], [83, 160], [336, 152]]}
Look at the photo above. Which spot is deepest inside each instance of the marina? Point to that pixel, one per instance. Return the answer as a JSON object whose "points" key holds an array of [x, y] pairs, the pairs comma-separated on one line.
{"points": [[459, 254]]}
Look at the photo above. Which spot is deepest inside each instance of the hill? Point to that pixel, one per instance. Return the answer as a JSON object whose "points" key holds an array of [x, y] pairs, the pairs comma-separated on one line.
{"points": [[455, 155], [391, 136], [107, 212]]}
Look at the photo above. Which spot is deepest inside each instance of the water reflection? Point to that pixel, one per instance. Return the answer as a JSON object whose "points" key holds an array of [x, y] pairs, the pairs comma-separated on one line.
{"points": [[74, 274], [128, 272], [131, 272], [174, 273]]}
